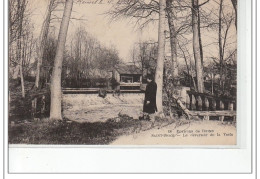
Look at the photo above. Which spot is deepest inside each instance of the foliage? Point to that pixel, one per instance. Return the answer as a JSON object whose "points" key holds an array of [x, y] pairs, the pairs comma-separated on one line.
{"points": [[21, 108]]}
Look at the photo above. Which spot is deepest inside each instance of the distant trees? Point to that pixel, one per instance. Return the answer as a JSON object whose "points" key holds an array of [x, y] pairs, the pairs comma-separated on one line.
{"points": [[86, 56], [21, 41], [17, 11], [144, 56], [81, 54]]}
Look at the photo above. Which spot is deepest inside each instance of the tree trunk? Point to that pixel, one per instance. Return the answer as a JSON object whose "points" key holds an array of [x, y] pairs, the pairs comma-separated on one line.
{"points": [[189, 70], [42, 42], [21, 6], [160, 59], [200, 41], [55, 111], [173, 38], [220, 44], [196, 47], [212, 83], [234, 3], [22, 79]]}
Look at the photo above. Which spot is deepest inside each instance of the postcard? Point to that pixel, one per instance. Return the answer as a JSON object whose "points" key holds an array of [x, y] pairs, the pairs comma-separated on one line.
{"points": [[125, 73]]}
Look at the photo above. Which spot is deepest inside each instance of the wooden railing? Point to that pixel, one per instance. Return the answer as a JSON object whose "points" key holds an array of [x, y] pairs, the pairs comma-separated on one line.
{"points": [[130, 84], [205, 102], [205, 105]]}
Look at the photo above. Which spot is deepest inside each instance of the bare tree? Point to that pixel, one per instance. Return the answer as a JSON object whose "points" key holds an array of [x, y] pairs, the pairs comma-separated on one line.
{"points": [[200, 39], [220, 42], [142, 11], [196, 46], [223, 29], [55, 110], [199, 31], [43, 41], [234, 3], [21, 7], [21, 41], [173, 38], [28, 50], [13, 20], [161, 56], [188, 66]]}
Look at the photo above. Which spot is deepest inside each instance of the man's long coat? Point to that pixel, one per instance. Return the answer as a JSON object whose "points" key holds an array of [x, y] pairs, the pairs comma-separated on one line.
{"points": [[150, 95]]}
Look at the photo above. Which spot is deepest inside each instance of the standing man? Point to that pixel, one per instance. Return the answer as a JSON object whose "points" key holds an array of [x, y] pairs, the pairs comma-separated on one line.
{"points": [[150, 107]]}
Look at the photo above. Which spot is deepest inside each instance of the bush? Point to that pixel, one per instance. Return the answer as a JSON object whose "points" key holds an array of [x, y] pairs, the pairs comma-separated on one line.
{"points": [[21, 108]]}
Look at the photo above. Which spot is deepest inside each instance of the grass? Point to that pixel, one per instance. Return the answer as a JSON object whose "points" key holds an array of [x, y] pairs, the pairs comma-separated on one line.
{"points": [[23, 129], [67, 132]]}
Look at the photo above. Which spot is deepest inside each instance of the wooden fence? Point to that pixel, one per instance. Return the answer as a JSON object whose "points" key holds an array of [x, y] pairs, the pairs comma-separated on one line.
{"points": [[205, 105]]}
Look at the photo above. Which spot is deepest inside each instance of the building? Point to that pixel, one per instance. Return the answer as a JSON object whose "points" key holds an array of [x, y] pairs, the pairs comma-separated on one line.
{"points": [[127, 76]]}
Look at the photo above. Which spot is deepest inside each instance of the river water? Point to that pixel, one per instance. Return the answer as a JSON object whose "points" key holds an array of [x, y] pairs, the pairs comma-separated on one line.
{"points": [[91, 108]]}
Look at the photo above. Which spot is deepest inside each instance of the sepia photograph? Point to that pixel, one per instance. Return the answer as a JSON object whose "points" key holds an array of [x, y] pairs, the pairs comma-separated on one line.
{"points": [[122, 72]]}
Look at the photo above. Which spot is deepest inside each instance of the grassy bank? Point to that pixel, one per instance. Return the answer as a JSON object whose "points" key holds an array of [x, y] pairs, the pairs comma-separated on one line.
{"points": [[67, 132]]}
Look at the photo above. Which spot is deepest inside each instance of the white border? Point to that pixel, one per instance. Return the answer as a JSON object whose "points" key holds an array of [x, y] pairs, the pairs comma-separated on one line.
{"points": [[127, 160]]}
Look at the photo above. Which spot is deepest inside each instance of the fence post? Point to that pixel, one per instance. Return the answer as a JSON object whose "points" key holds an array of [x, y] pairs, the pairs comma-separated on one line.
{"points": [[214, 105], [206, 104], [234, 118], [187, 101], [199, 103], [193, 102], [231, 108], [221, 105], [221, 118]]}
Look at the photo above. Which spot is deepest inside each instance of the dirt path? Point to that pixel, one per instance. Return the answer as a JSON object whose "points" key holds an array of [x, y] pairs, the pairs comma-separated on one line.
{"points": [[194, 133]]}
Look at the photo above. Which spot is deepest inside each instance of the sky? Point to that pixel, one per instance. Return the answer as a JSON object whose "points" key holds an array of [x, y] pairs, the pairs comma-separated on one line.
{"points": [[123, 34]]}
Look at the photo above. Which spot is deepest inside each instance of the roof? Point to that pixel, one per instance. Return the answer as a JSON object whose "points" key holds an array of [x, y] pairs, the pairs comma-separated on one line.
{"points": [[128, 69]]}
